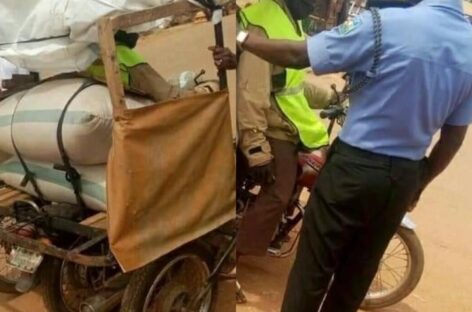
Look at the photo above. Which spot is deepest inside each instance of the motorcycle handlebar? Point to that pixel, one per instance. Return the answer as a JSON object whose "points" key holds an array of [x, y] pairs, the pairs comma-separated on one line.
{"points": [[332, 112]]}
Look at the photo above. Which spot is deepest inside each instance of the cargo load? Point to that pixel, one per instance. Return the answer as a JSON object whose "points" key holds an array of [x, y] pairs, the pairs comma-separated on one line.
{"points": [[58, 35], [53, 183], [29, 120]]}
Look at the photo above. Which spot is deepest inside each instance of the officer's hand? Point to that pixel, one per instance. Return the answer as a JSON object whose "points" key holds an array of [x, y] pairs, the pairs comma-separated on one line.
{"points": [[223, 57], [264, 174]]}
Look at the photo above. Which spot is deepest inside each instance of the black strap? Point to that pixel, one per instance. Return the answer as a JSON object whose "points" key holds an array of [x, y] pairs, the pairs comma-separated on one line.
{"points": [[29, 177], [72, 175], [377, 22]]}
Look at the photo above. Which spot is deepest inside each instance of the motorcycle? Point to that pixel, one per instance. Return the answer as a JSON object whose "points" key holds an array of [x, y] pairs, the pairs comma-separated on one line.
{"points": [[402, 264]]}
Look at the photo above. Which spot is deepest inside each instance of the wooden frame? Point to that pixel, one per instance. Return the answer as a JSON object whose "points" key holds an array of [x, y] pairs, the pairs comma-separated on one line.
{"points": [[107, 27]]}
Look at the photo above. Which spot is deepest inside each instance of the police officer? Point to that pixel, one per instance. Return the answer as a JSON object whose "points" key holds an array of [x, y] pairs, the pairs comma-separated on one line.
{"points": [[377, 167]]}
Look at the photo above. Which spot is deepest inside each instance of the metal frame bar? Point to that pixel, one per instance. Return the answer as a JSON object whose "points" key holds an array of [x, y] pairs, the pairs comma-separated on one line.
{"points": [[44, 248], [107, 27]]}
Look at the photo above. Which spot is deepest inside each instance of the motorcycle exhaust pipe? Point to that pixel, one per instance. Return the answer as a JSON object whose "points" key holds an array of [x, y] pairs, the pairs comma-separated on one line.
{"points": [[103, 302]]}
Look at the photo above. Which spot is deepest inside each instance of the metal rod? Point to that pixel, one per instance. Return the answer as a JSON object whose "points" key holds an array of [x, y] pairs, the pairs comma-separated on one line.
{"points": [[43, 248], [90, 243], [223, 258], [219, 40], [103, 302], [210, 280], [72, 227]]}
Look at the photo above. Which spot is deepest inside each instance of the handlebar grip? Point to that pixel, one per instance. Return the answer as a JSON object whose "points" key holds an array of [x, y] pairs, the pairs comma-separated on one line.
{"points": [[332, 112], [324, 114]]}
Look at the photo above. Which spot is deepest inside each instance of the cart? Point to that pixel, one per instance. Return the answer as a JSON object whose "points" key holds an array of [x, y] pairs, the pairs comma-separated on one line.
{"points": [[88, 261]]}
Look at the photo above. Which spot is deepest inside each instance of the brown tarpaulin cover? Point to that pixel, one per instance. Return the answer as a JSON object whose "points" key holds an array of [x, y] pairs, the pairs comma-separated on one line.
{"points": [[171, 176]]}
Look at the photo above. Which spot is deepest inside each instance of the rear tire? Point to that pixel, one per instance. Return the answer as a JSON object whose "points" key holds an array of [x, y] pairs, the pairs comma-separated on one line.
{"points": [[65, 285], [138, 296], [415, 251], [50, 283]]}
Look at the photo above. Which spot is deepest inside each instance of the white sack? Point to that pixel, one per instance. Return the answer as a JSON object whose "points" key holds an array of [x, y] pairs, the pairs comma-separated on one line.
{"points": [[87, 125], [53, 184], [59, 35]]}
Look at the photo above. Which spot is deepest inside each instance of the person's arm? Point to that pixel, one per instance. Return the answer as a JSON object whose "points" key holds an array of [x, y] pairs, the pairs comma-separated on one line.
{"points": [[347, 48], [452, 136], [285, 53], [254, 86], [444, 151]]}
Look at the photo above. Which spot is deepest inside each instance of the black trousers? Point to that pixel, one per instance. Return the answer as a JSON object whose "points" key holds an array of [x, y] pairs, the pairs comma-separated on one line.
{"points": [[355, 209]]}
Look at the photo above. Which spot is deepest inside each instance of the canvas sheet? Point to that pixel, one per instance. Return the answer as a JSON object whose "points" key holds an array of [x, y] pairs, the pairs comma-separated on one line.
{"points": [[171, 176]]}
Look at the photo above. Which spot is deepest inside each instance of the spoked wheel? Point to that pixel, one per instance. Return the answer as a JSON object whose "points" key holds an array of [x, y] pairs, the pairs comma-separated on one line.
{"points": [[8, 276], [399, 272], [66, 285], [171, 284]]}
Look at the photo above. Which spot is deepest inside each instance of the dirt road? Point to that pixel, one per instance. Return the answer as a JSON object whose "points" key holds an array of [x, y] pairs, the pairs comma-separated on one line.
{"points": [[443, 218]]}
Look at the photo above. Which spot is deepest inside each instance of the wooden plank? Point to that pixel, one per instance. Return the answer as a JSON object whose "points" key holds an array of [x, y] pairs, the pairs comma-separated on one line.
{"points": [[112, 69], [137, 18], [8, 196], [5, 190], [98, 220]]}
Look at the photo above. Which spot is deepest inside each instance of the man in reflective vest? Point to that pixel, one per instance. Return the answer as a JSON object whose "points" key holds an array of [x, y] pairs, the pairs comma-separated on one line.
{"points": [[275, 120], [136, 74]]}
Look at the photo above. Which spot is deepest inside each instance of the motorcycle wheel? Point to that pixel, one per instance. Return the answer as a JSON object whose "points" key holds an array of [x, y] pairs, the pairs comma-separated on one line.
{"points": [[65, 285], [395, 281], [8, 275], [169, 284]]}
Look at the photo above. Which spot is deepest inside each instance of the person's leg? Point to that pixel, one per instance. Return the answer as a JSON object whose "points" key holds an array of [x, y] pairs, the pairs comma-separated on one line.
{"points": [[260, 220], [354, 275], [143, 78], [337, 210], [316, 258]]}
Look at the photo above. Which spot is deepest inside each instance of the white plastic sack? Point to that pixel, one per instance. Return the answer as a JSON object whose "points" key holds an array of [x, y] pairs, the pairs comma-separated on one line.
{"points": [[31, 118], [53, 184], [59, 35]]}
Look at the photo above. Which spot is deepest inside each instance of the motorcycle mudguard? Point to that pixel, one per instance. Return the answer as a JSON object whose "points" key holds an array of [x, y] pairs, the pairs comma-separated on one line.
{"points": [[408, 223]]}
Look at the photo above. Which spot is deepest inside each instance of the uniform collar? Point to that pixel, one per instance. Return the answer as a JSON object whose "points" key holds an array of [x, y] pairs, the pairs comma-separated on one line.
{"points": [[451, 4]]}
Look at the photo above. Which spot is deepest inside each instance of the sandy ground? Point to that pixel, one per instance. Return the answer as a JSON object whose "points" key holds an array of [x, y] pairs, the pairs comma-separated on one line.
{"points": [[442, 216]]}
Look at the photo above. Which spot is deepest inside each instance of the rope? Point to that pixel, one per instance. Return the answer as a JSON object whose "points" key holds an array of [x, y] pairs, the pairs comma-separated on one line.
{"points": [[377, 23]]}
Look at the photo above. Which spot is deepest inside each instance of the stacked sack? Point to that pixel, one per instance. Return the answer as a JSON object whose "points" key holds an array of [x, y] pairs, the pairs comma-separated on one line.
{"points": [[29, 128]]}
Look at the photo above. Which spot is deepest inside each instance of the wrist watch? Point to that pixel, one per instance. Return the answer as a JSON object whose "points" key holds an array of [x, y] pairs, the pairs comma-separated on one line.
{"points": [[241, 38]]}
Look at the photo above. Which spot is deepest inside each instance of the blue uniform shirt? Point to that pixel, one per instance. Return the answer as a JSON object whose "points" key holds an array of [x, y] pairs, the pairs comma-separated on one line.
{"points": [[424, 79]]}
